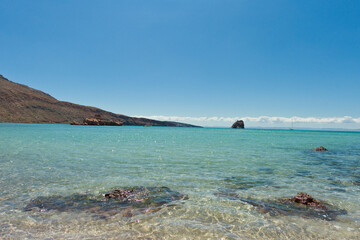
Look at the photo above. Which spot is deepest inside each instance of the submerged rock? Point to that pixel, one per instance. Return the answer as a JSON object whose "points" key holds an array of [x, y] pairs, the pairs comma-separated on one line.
{"points": [[246, 182], [129, 201], [302, 205], [155, 196], [62, 203], [320, 149], [238, 124]]}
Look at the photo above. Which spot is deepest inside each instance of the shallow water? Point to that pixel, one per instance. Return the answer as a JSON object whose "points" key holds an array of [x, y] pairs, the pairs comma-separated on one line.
{"points": [[264, 165]]}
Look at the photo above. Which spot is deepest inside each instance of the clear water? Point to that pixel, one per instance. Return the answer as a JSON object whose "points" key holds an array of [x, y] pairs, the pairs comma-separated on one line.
{"points": [[46, 160]]}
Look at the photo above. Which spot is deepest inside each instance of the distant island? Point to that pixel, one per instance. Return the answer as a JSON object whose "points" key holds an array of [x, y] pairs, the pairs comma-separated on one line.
{"points": [[22, 104]]}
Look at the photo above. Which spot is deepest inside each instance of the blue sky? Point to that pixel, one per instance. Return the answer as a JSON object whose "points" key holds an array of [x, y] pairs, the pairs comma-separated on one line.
{"points": [[194, 59]]}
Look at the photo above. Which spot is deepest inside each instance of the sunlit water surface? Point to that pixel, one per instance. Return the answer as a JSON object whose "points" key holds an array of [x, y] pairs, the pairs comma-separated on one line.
{"points": [[61, 160]]}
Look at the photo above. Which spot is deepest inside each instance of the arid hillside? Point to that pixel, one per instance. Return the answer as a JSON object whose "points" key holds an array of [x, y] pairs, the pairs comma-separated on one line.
{"points": [[22, 104]]}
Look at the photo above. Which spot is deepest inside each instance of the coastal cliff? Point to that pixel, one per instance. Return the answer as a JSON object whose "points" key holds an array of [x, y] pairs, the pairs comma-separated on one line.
{"points": [[22, 104]]}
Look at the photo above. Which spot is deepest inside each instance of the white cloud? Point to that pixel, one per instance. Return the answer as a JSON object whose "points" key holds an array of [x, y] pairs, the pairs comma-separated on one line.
{"points": [[267, 120]]}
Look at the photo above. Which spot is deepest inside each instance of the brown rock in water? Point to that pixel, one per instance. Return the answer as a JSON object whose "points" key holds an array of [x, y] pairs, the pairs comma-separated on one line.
{"points": [[238, 124], [306, 199], [320, 149]]}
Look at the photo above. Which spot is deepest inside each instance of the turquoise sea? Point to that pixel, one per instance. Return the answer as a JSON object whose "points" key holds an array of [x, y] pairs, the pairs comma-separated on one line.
{"points": [[213, 183]]}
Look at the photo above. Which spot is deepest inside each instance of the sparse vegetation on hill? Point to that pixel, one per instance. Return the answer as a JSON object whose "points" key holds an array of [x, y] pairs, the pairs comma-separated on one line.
{"points": [[22, 104]]}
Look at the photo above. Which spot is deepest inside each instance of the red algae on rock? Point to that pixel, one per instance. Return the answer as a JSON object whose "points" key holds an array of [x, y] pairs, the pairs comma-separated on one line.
{"points": [[306, 199]]}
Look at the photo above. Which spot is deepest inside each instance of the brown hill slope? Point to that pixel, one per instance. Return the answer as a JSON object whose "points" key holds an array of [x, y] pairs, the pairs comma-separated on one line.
{"points": [[22, 104]]}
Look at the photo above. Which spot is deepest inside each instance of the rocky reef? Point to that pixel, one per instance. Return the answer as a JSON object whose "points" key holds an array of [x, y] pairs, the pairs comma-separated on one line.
{"points": [[128, 201], [238, 124], [302, 204]]}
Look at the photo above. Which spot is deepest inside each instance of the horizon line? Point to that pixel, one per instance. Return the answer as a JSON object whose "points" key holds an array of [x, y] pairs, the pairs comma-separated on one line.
{"points": [[267, 120]]}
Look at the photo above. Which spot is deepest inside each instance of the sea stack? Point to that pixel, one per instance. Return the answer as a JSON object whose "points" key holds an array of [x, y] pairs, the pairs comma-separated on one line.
{"points": [[238, 124]]}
